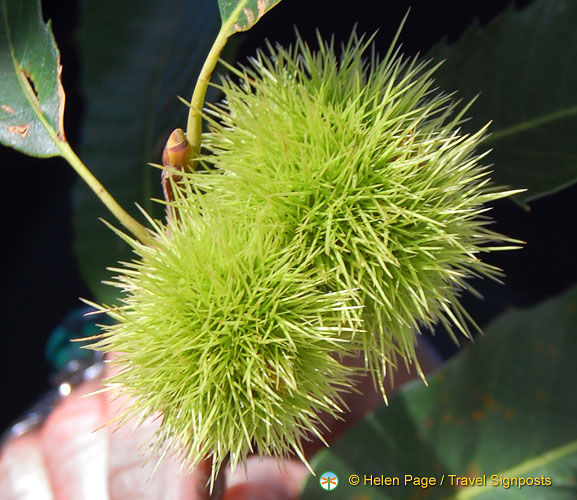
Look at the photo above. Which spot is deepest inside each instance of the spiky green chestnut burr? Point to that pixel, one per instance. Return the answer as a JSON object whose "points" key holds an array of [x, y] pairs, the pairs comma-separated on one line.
{"points": [[363, 160], [345, 212], [229, 334]]}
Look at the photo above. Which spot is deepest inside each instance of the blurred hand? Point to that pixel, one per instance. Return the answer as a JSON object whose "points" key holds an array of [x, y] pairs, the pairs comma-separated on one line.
{"points": [[75, 456]]}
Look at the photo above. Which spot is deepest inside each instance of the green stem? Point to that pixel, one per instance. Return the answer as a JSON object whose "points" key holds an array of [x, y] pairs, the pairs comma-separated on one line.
{"points": [[123, 217], [194, 124], [69, 155]]}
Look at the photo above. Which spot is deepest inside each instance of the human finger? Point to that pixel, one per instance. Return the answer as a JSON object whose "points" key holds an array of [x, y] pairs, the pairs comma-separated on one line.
{"points": [[23, 474]]}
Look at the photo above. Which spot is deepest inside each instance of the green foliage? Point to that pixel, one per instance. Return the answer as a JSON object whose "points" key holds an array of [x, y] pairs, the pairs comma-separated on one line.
{"points": [[31, 95], [522, 67], [366, 166], [505, 406]]}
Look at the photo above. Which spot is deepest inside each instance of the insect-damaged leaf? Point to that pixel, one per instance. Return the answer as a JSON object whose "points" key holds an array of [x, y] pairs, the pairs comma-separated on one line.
{"points": [[31, 95], [241, 15]]}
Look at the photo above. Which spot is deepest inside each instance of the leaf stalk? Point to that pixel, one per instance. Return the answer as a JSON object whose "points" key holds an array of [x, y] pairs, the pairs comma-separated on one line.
{"points": [[123, 217], [194, 124]]}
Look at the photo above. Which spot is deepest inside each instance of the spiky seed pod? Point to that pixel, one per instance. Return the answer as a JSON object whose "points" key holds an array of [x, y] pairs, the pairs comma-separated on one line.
{"points": [[229, 335], [363, 160], [346, 212]]}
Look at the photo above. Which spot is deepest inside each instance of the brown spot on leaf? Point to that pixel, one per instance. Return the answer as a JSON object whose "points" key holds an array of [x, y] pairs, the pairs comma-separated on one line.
{"points": [[477, 415], [30, 81], [249, 17], [510, 414], [262, 6], [489, 402], [473, 470], [447, 417], [420, 493], [62, 100], [21, 130], [8, 109]]}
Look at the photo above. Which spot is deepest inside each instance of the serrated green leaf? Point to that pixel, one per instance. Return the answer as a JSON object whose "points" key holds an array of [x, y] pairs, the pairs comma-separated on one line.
{"points": [[138, 57], [523, 66], [505, 406], [241, 15], [31, 95]]}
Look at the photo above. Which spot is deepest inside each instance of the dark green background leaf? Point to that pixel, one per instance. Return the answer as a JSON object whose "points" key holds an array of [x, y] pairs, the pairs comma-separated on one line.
{"points": [[524, 66], [29, 64], [251, 11], [506, 405], [138, 56]]}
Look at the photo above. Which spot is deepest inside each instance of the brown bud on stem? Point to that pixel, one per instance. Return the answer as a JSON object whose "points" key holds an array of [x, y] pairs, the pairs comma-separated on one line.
{"points": [[175, 158], [176, 151]]}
